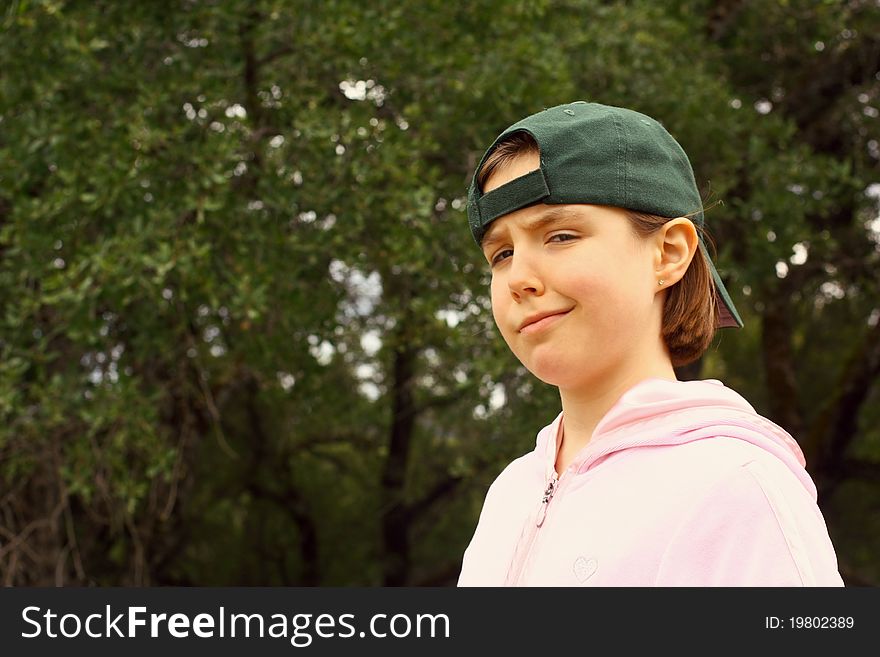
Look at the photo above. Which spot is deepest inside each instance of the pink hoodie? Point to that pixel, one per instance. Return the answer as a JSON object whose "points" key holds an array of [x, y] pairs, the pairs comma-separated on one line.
{"points": [[682, 484]]}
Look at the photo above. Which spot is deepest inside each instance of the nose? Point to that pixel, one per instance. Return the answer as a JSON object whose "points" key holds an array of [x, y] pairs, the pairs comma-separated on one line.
{"points": [[524, 278]]}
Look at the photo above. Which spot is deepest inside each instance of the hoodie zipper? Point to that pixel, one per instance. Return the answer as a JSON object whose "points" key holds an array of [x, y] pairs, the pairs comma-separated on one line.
{"points": [[552, 485], [530, 533]]}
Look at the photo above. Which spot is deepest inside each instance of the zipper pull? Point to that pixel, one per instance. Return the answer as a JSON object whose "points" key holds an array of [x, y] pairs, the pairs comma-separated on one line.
{"points": [[545, 500]]}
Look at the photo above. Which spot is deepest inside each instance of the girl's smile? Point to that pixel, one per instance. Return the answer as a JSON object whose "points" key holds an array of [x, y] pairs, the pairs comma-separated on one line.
{"points": [[541, 321]]}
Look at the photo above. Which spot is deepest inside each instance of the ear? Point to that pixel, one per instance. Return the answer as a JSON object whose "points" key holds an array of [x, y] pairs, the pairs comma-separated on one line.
{"points": [[675, 246]]}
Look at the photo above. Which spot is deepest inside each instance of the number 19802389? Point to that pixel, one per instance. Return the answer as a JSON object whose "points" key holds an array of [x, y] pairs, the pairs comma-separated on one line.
{"points": [[810, 622]]}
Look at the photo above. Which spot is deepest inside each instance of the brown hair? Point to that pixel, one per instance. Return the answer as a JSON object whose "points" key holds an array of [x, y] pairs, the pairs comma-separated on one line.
{"points": [[690, 313], [518, 143]]}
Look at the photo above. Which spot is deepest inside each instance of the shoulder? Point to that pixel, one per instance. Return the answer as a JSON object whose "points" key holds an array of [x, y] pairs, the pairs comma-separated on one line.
{"points": [[521, 470], [752, 523], [698, 465]]}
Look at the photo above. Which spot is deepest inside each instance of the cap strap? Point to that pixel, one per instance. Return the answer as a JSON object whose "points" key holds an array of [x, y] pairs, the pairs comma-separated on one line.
{"points": [[516, 194]]}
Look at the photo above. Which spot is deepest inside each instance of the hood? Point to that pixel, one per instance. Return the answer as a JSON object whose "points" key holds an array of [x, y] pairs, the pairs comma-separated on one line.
{"points": [[659, 412]]}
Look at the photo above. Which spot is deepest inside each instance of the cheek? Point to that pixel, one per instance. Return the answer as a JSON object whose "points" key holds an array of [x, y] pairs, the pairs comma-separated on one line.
{"points": [[612, 300], [500, 298], [595, 289]]}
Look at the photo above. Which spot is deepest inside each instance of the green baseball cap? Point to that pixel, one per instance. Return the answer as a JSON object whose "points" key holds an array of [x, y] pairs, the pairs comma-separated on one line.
{"points": [[602, 155]]}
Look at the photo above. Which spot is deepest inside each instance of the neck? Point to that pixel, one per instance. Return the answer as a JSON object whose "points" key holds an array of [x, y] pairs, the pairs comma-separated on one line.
{"points": [[584, 407]]}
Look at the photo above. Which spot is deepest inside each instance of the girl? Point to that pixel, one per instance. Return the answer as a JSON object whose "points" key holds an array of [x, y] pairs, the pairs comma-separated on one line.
{"points": [[591, 222]]}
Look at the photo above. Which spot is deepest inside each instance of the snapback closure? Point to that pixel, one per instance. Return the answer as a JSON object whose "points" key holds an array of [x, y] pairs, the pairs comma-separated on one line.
{"points": [[518, 193]]}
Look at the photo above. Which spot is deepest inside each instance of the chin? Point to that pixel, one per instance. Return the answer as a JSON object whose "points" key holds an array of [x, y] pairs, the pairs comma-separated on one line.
{"points": [[562, 372]]}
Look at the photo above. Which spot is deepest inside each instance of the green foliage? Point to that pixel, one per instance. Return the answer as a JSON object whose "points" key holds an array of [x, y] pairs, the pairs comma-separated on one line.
{"points": [[235, 265]]}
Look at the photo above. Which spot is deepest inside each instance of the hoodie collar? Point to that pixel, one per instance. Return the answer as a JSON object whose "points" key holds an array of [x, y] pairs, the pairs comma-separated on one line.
{"points": [[678, 412]]}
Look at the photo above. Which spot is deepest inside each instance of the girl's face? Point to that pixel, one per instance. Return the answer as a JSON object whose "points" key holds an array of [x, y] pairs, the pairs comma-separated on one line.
{"points": [[574, 289]]}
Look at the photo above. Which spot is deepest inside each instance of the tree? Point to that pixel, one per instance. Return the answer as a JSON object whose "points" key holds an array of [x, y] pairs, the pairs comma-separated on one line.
{"points": [[246, 335]]}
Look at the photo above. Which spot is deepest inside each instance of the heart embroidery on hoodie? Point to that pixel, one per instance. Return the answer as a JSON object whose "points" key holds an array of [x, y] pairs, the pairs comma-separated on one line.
{"points": [[584, 569]]}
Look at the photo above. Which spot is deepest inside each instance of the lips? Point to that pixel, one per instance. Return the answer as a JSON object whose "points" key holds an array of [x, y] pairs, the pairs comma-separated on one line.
{"points": [[538, 321]]}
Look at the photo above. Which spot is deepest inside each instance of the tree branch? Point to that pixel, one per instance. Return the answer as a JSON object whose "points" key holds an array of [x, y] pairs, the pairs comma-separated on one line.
{"points": [[441, 489], [837, 425]]}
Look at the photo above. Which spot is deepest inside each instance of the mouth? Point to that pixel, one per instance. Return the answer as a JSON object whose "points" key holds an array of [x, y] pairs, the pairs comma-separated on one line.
{"points": [[537, 323]]}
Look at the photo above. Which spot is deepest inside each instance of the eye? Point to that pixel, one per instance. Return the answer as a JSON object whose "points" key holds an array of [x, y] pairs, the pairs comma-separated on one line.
{"points": [[562, 237], [500, 256]]}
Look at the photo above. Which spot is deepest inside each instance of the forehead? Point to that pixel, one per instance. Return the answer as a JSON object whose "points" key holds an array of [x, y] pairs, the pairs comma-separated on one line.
{"points": [[515, 167], [535, 217], [595, 218]]}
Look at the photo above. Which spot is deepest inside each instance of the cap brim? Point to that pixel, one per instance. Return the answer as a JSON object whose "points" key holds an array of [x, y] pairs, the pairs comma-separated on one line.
{"points": [[728, 317]]}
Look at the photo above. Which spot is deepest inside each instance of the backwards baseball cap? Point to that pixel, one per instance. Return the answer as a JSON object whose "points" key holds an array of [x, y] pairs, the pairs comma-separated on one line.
{"points": [[602, 155]]}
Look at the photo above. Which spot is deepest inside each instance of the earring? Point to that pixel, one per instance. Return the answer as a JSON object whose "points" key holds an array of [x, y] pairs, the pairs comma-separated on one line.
{"points": [[660, 282]]}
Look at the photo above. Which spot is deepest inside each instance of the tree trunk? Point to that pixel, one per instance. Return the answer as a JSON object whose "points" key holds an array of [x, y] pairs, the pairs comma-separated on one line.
{"points": [[395, 516], [779, 367], [836, 428]]}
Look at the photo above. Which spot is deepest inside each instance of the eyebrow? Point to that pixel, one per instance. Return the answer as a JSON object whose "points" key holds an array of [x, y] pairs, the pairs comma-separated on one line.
{"points": [[543, 221]]}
